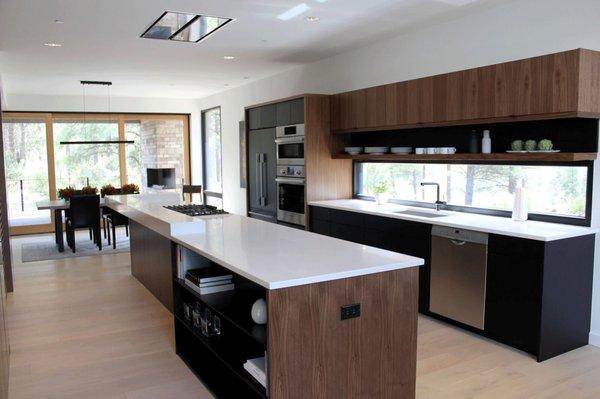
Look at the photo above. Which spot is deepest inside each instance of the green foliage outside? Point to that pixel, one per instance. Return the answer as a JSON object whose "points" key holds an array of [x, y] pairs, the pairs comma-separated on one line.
{"points": [[551, 189]]}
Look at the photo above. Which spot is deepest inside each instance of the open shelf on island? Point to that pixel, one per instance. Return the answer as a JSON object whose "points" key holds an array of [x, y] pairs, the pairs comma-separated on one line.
{"points": [[225, 372], [234, 306], [494, 157]]}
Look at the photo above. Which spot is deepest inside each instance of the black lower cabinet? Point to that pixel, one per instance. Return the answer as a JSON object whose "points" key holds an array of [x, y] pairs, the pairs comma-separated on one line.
{"points": [[386, 233], [538, 294], [513, 292]]}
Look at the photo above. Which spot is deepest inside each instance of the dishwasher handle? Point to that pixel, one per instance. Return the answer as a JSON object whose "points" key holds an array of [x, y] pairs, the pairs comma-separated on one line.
{"points": [[459, 236]]}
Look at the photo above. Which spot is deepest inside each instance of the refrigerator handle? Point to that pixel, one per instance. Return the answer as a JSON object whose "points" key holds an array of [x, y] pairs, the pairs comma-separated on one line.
{"points": [[258, 179], [263, 171]]}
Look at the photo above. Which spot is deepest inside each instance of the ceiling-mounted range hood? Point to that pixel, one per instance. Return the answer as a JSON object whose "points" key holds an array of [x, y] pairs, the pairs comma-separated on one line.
{"points": [[184, 27]]}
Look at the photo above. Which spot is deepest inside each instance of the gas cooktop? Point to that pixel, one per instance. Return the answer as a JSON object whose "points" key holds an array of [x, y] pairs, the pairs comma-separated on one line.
{"points": [[196, 210]]}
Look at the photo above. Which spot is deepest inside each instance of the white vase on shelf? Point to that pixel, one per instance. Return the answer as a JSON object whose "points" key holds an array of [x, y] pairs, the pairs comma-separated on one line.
{"points": [[259, 311]]}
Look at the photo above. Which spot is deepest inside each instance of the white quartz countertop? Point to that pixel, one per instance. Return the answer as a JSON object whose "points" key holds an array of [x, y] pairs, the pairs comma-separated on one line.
{"points": [[532, 230], [271, 255]]}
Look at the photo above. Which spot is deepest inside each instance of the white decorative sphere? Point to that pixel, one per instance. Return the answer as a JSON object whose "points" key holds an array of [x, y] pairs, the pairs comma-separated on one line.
{"points": [[259, 311]]}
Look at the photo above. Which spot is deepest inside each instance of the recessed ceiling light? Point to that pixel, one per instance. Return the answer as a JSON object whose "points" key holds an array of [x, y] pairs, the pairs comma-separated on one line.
{"points": [[59, 21], [229, 57], [294, 12], [312, 19], [184, 27], [52, 44]]}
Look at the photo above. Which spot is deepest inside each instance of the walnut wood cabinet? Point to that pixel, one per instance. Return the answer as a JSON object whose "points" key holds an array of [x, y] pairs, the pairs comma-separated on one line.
{"points": [[565, 84]]}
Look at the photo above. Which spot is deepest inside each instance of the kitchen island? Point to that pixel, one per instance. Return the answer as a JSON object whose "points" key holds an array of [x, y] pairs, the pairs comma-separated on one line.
{"points": [[342, 317]]}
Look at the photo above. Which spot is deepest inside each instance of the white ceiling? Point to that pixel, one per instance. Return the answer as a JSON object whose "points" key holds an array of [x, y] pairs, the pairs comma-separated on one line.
{"points": [[100, 41]]}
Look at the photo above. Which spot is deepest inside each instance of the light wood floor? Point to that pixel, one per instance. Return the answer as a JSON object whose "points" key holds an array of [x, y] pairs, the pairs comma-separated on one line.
{"points": [[84, 328]]}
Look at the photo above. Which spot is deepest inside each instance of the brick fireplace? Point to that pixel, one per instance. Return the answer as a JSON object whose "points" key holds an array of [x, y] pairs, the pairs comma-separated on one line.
{"points": [[162, 152]]}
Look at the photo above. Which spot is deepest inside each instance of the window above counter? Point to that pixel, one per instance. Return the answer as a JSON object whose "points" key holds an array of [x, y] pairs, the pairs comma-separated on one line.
{"points": [[556, 193]]}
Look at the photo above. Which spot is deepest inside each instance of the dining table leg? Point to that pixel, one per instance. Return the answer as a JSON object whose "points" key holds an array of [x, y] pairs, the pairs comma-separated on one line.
{"points": [[58, 230]]}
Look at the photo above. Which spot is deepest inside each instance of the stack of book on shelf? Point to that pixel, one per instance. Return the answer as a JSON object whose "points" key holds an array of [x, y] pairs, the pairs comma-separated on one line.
{"points": [[257, 369], [209, 280]]}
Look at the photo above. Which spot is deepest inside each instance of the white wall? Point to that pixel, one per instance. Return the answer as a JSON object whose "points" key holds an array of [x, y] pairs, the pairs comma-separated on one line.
{"points": [[516, 30], [48, 103]]}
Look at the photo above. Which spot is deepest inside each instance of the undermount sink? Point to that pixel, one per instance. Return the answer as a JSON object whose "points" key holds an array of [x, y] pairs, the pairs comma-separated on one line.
{"points": [[422, 213]]}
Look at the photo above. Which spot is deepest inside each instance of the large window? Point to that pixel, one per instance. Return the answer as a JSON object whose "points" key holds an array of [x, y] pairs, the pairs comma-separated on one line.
{"points": [[80, 164], [133, 159], [41, 156], [26, 165], [556, 190], [211, 156]]}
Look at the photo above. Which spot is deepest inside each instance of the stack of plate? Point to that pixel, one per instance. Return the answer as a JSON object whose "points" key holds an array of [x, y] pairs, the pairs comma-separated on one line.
{"points": [[376, 150], [401, 150], [353, 150]]}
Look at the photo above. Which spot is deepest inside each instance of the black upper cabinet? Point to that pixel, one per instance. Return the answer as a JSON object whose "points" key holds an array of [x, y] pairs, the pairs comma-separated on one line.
{"points": [[268, 116], [262, 117], [254, 118], [290, 112], [297, 111], [284, 113]]}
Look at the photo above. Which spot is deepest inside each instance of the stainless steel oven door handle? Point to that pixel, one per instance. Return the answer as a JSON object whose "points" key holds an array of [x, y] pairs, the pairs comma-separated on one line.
{"points": [[290, 140], [290, 180]]}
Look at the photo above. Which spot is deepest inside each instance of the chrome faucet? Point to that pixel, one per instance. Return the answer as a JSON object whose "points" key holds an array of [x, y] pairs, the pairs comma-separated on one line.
{"points": [[439, 205]]}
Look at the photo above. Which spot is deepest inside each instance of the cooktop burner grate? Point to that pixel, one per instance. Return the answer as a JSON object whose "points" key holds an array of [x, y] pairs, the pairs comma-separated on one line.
{"points": [[196, 210]]}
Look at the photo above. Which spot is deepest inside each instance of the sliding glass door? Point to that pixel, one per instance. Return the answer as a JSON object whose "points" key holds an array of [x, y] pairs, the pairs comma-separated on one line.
{"points": [[77, 164], [133, 156], [26, 166], [48, 151]]}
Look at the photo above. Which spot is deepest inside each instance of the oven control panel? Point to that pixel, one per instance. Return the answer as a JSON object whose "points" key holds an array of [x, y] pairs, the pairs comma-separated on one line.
{"points": [[290, 171]]}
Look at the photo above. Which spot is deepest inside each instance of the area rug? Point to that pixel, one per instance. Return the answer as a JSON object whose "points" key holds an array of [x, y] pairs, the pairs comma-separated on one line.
{"points": [[47, 250]]}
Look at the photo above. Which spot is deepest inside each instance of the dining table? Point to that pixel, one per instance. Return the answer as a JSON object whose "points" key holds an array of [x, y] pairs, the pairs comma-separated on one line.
{"points": [[58, 206]]}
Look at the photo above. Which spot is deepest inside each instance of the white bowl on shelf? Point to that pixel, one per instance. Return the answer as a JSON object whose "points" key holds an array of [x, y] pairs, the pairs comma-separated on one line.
{"points": [[353, 150]]}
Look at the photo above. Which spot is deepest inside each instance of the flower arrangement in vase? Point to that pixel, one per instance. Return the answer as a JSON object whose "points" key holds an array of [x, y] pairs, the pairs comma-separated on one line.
{"points": [[130, 188], [66, 193], [108, 189], [380, 192], [89, 190]]}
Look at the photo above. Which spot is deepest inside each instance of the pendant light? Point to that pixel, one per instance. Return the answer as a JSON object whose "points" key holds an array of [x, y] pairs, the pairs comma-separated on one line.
{"points": [[84, 83]]}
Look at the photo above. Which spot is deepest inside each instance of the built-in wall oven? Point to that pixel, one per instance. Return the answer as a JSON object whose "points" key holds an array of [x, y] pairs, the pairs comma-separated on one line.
{"points": [[291, 194], [290, 145]]}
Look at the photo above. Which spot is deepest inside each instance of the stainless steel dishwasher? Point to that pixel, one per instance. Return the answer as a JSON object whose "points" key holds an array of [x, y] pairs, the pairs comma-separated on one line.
{"points": [[458, 274]]}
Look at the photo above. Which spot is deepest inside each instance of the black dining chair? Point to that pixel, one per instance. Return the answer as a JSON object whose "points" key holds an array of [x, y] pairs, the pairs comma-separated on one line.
{"points": [[84, 212], [113, 219], [106, 211]]}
